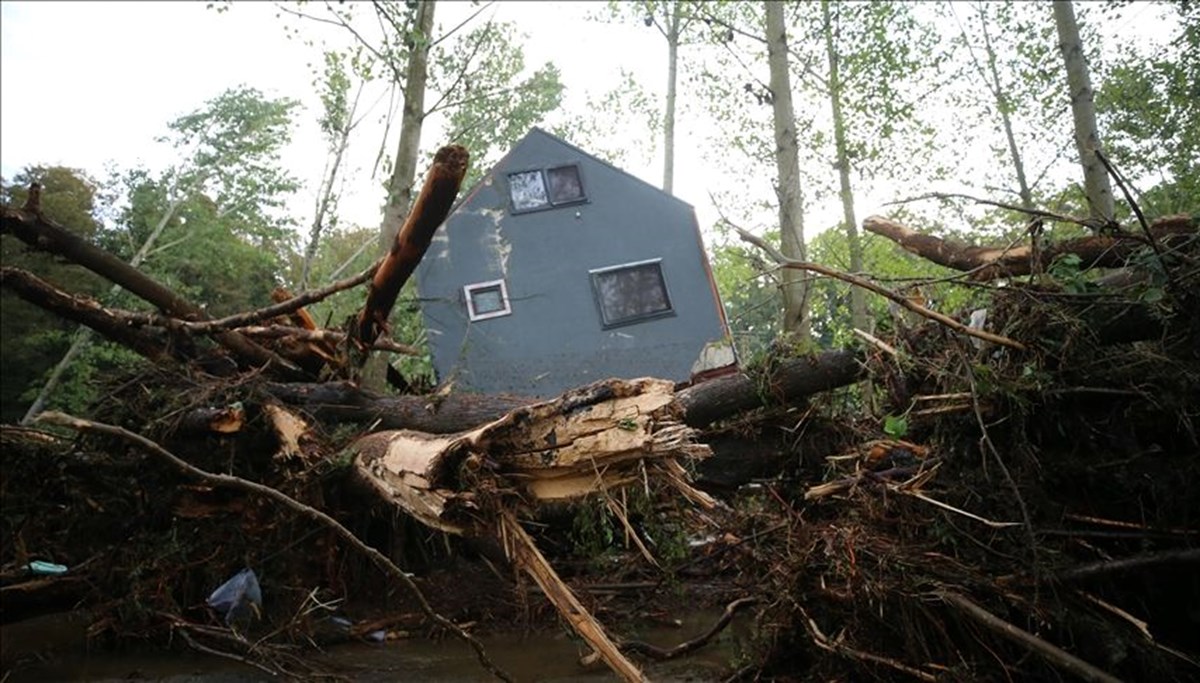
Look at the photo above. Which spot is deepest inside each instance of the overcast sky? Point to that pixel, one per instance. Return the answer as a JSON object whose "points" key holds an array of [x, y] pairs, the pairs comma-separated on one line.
{"points": [[88, 83]]}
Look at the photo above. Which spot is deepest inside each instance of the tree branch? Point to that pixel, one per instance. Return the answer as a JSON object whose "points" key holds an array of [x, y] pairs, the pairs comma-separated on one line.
{"points": [[232, 482]]}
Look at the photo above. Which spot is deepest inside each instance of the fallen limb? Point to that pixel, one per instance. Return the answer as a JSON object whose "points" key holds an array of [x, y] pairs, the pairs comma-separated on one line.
{"points": [[901, 300], [660, 654], [1052, 653], [1127, 564], [230, 481], [524, 554], [85, 311], [45, 235], [990, 263]]}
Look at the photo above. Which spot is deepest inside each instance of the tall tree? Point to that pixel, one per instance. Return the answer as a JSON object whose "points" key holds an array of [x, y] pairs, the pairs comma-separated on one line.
{"points": [[1149, 102], [787, 168], [338, 120], [1083, 109], [988, 72], [229, 168]]}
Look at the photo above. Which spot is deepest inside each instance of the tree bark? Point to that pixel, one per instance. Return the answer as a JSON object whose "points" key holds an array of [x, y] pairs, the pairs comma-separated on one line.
{"points": [[673, 29], [990, 263], [1083, 109], [432, 206], [1003, 106], [407, 150], [858, 299], [787, 166], [702, 404]]}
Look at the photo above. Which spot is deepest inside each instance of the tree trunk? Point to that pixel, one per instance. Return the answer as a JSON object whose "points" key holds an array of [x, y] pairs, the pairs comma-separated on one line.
{"points": [[1083, 109], [1004, 106], [673, 26], [858, 299], [327, 197], [404, 169], [787, 165]]}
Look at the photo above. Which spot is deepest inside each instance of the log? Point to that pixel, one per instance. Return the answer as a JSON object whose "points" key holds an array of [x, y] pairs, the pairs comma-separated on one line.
{"points": [[702, 404], [990, 262], [85, 311], [44, 235]]}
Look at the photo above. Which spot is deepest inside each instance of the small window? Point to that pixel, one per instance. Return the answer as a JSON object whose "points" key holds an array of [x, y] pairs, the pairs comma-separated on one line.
{"points": [[487, 300], [533, 190], [528, 190], [630, 293], [565, 186]]}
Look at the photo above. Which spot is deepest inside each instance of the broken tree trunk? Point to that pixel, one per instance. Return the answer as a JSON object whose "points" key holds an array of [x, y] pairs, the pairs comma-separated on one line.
{"points": [[429, 211], [592, 440], [990, 263], [794, 379]]}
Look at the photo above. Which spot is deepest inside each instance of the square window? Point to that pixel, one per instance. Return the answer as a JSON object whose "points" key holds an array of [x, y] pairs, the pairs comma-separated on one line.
{"points": [[487, 300], [527, 190], [565, 186], [630, 293]]}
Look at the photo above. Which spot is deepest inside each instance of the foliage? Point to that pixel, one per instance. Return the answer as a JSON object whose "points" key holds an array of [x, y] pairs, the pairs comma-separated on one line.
{"points": [[32, 339], [491, 105], [1150, 108]]}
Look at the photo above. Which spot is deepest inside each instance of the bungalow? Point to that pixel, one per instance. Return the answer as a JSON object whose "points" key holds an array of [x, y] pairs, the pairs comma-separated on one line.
{"points": [[558, 269]]}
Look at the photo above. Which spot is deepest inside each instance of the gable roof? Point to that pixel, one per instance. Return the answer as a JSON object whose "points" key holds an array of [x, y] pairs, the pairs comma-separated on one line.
{"points": [[536, 131]]}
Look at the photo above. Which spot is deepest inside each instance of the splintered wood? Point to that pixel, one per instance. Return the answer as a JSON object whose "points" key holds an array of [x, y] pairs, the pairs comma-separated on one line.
{"points": [[592, 440]]}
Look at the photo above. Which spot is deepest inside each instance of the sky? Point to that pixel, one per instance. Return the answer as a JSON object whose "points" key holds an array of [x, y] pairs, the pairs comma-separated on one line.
{"points": [[88, 84], [85, 84]]}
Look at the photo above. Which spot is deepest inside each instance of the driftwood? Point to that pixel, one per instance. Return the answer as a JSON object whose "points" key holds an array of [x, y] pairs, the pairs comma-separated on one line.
{"points": [[990, 263], [701, 405]]}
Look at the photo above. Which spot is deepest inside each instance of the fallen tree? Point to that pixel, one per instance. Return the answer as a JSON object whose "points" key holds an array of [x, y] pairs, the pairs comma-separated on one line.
{"points": [[881, 529]]}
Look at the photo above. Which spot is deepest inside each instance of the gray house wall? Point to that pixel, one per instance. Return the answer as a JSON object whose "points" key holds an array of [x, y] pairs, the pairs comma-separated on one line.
{"points": [[554, 338]]}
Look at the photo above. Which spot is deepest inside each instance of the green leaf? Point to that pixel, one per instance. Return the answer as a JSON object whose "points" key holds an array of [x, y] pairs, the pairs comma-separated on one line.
{"points": [[895, 426]]}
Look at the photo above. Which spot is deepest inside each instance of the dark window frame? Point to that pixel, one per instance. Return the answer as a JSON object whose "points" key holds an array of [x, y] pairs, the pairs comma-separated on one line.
{"points": [[544, 173], [594, 275], [470, 289]]}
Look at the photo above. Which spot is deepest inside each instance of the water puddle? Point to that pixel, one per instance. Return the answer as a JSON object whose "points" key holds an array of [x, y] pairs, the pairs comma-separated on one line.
{"points": [[550, 657]]}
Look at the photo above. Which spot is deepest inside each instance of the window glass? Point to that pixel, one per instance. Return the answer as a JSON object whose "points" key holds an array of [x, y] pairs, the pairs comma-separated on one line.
{"points": [[487, 300], [630, 293], [565, 185], [528, 190]]}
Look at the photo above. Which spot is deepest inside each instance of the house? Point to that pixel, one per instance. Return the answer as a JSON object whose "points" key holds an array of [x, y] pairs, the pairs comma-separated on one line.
{"points": [[557, 269]]}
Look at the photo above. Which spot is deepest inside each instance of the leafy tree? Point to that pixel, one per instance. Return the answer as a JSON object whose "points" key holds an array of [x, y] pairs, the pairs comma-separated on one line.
{"points": [[220, 211], [787, 166], [490, 106], [33, 340], [1150, 107]]}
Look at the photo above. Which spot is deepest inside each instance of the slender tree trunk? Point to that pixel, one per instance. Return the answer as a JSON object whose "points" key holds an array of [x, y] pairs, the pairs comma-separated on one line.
{"points": [[673, 25], [1004, 107], [787, 165], [404, 171], [83, 335], [327, 196], [858, 300], [1083, 109]]}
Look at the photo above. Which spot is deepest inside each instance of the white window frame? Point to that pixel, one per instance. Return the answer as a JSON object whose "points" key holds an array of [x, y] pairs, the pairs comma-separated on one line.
{"points": [[544, 173], [468, 290]]}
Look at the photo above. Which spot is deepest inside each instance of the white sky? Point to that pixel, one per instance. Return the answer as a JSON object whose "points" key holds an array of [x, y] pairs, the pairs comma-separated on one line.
{"points": [[83, 84], [87, 83]]}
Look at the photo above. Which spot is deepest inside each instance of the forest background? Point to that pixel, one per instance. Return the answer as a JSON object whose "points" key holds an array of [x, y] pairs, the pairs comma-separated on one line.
{"points": [[228, 149]]}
